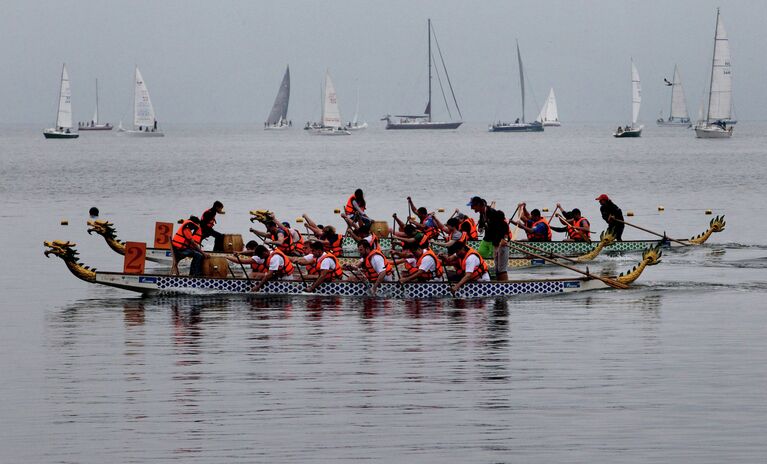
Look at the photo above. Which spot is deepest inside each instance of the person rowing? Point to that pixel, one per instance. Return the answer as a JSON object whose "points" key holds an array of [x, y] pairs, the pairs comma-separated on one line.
{"points": [[186, 244], [409, 234], [612, 215], [374, 265], [332, 241], [427, 265], [472, 267], [536, 226], [296, 247], [470, 223], [425, 222], [276, 235], [355, 208], [577, 227], [361, 233], [327, 266], [278, 266], [208, 220], [248, 256], [452, 232]]}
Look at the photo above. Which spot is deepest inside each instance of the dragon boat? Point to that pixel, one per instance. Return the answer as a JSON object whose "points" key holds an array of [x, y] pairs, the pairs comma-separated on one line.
{"points": [[158, 284], [165, 257]]}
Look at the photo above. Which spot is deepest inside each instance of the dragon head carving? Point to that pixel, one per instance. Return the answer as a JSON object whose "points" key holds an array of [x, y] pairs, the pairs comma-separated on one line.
{"points": [[716, 225], [107, 230], [650, 257], [67, 252], [261, 215]]}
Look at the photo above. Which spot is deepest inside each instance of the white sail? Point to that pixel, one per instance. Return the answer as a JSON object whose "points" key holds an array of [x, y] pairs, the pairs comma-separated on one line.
{"points": [[549, 111], [64, 116], [636, 94], [96, 111], [331, 115], [143, 112], [678, 103], [720, 94]]}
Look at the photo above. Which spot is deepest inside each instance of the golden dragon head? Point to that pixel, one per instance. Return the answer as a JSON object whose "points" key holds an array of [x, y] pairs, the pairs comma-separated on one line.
{"points": [[67, 252], [715, 226], [103, 228], [650, 257], [261, 215]]}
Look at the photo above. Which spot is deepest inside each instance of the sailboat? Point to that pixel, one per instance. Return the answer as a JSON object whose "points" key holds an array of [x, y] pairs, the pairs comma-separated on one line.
{"points": [[519, 125], [678, 115], [278, 117], [424, 121], [63, 129], [549, 115], [720, 89], [94, 125], [144, 118], [331, 113], [354, 124], [636, 102]]}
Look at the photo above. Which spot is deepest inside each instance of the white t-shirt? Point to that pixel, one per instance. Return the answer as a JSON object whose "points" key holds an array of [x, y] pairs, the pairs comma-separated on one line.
{"points": [[276, 263], [370, 239], [471, 263], [258, 260], [327, 264], [310, 258], [428, 264]]}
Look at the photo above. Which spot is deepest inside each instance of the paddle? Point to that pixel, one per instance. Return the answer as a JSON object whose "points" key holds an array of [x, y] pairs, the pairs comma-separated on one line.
{"points": [[516, 227], [247, 277], [554, 213], [610, 282], [300, 273], [664, 236]]}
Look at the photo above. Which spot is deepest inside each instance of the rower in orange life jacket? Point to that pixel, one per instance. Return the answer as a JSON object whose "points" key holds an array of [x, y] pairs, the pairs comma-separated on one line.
{"points": [[257, 265], [537, 227], [296, 247], [276, 235], [470, 227], [327, 265], [427, 266], [332, 241], [186, 244], [373, 265], [355, 207], [473, 267], [578, 228]]}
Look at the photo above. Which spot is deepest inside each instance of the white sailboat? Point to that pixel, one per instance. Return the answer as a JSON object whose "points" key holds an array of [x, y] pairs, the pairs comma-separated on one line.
{"points": [[549, 115], [144, 118], [518, 125], [354, 124], [63, 128], [678, 115], [720, 89], [331, 113], [636, 102], [278, 117], [94, 125]]}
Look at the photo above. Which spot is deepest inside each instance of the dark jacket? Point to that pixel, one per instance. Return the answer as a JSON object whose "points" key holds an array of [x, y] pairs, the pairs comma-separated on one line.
{"points": [[610, 209], [495, 225]]}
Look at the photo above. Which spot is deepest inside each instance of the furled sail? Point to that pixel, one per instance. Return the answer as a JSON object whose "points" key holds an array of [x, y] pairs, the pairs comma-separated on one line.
{"points": [[279, 111]]}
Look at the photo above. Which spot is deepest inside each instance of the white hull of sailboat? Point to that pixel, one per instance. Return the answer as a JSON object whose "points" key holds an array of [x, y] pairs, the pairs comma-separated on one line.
{"points": [[551, 123], [138, 133], [673, 123], [629, 133], [330, 131], [712, 132], [97, 127], [357, 127], [276, 127]]}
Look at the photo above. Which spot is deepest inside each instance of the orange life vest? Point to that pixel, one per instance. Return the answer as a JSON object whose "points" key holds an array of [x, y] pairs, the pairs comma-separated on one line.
{"points": [[577, 234], [336, 273], [370, 272], [349, 208], [287, 243], [335, 246], [287, 268], [312, 268], [438, 271], [537, 237], [473, 235], [480, 270], [184, 236], [296, 247], [256, 267]]}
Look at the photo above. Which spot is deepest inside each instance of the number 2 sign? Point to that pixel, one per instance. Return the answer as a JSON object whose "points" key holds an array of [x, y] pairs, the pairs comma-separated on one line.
{"points": [[135, 258]]}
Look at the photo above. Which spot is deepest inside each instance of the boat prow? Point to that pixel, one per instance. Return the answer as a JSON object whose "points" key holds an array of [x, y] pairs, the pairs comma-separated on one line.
{"points": [[712, 131]]}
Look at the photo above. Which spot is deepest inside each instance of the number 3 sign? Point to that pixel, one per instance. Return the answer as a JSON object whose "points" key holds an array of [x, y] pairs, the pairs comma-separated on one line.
{"points": [[162, 235]]}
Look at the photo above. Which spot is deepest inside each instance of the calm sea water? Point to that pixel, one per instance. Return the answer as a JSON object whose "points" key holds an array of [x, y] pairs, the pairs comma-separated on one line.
{"points": [[673, 370]]}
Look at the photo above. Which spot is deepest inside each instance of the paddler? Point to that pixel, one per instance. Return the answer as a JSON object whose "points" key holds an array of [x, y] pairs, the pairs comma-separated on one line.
{"points": [[296, 247], [612, 215], [278, 266], [536, 226], [355, 208], [470, 223], [327, 266], [578, 227], [208, 220], [276, 235], [332, 241], [361, 233], [374, 265], [248, 256], [472, 267], [426, 222], [186, 244], [427, 265], [451, 231], [497, 232]]}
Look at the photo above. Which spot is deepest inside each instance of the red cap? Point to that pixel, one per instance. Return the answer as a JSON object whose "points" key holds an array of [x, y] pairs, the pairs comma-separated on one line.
{"points": [[602, 197]]}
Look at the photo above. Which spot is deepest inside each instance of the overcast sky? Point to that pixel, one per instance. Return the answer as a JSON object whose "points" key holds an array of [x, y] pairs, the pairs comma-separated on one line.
{"points": [[221, 62]]}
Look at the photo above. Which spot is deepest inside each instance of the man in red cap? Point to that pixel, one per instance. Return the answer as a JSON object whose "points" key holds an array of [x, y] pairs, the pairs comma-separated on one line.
{"points": [[612, 215]]}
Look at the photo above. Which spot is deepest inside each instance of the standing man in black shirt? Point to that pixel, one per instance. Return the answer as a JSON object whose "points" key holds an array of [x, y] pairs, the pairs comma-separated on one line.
{"points": [[208, 220], [612, 215], [496, 228]]}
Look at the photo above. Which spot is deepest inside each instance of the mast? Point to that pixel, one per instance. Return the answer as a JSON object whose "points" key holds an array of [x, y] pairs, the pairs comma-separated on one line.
{"points": [[521, 81], [428, 105], [713, 59], [96, 115]]}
